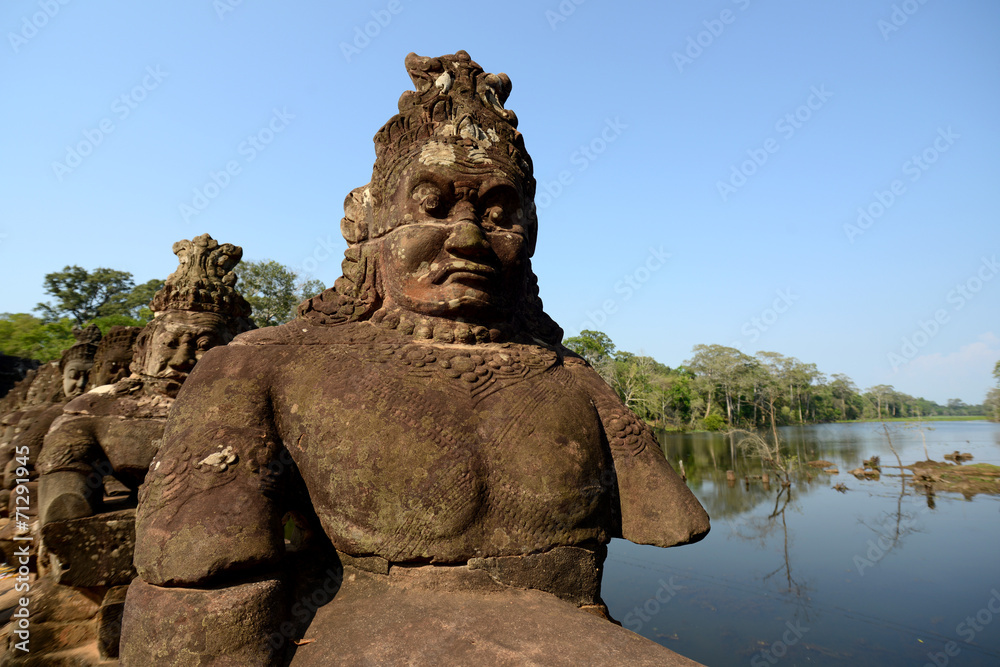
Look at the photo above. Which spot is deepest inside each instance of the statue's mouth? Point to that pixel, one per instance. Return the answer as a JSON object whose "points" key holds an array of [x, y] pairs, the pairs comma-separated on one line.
{"points": [[462, 270]]}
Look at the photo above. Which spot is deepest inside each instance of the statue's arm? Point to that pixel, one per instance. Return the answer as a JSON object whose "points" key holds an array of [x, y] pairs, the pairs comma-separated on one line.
{"points": [[69, 488], [208, 533], [655, 505]]}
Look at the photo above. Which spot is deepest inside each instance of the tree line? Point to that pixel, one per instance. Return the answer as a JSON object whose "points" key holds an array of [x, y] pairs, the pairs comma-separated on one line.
{"points": [[721, 387], [108, 297]]}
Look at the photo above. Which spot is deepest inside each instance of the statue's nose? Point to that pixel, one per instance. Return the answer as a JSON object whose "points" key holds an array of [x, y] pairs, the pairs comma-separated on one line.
{"points": [[467, 240], [464, 211], [183, 358]]}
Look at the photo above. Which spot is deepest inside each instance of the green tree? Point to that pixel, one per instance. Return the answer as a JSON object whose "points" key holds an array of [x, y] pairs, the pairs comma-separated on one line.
{"points": [[84, 295], [135, 304], [723, 369], [593, 346], [880, 394], [27, 336], [273, 290]]}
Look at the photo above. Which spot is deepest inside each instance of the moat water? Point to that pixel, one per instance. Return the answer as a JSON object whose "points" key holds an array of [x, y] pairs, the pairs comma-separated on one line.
{"points": [[879, 575]]}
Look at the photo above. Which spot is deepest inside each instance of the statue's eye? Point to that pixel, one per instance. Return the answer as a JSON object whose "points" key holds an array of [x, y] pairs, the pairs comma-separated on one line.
{"points": [[430, 200], [495, 215], [431, 204], [498, 203], [205, 343]]}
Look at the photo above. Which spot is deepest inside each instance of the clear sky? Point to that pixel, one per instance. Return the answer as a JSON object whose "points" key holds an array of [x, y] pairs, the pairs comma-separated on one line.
{"points": [[701, 165]]}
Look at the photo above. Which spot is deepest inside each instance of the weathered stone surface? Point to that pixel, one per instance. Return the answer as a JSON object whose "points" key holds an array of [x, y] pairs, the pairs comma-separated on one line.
{"points": [[92, 551], [371, 622], [109, 622], [422, 416], [229, 626], [570, 573], [52, 603]]}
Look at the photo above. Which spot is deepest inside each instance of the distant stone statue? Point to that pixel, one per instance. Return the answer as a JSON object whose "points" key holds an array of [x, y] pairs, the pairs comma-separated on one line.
{"points": [[420, 417], [113, 356], [108, 436], [116, 427], [52, 387]]}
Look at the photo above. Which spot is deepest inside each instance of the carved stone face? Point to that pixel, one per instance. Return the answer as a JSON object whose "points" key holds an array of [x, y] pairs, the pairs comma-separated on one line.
{"points": [[113, 368], [75, 374], [461, 250], [179, 341]]}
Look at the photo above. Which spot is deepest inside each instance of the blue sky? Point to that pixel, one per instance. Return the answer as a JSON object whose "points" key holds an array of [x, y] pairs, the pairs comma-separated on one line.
{"points": [[701, 164]]}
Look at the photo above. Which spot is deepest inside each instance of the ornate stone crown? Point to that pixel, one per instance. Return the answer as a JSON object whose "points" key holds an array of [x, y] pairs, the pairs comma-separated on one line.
{"points": [[456, 114], [204, 281], [85, 347]]}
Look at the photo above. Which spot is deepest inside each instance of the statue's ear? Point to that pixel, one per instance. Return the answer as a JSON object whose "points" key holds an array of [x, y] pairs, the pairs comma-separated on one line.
{"points": [[357, 215], [531, 226]]}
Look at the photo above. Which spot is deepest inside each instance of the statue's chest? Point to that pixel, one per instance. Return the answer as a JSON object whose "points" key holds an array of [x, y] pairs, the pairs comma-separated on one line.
{"points": [[420, 438]]}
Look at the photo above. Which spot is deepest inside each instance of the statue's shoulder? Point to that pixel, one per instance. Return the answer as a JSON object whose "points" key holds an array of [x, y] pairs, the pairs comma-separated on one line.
{"points": [[97, 401], [579, 367], [305, 332]]}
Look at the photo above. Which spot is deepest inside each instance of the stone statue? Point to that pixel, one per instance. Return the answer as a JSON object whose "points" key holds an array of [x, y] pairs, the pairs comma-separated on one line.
{"points": [[119, 424], [418, 432], [109, 435], [77, 361], [45, 401], [113, 356]]}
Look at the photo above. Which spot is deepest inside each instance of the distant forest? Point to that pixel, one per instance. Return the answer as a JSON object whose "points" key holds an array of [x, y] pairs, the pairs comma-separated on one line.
{"points": [[721, 387]]}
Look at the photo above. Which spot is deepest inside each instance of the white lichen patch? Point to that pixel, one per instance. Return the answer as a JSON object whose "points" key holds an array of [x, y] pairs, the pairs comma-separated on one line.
{"points": [[220, 460], [437, 153], [478, 156], [443, 82]]}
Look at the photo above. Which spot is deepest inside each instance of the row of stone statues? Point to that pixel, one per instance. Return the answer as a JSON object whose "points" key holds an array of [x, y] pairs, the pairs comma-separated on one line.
{"points": [[413, 471], [87, 452]]}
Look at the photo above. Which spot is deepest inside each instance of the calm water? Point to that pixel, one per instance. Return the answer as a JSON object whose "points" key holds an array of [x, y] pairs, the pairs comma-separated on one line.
{"points": [[879, 575]]}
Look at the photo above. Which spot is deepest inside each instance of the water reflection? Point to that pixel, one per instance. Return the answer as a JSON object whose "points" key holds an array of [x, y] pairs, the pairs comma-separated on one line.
{"points": [[879, 575]]}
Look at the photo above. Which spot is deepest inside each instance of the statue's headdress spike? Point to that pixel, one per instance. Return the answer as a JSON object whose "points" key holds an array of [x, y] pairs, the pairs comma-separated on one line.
{"points": [[204, 280], [456, 114]]}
